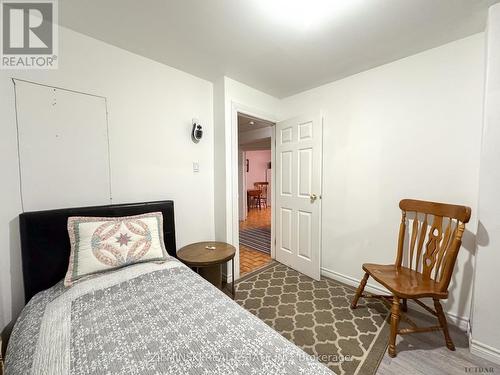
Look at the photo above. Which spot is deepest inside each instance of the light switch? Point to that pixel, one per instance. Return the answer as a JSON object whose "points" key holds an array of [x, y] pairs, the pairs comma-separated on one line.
{"points": [[196, 166]]}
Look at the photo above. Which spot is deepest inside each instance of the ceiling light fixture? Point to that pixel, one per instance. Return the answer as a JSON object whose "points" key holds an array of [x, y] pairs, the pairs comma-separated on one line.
{"points": [[252, 123], [303, 14]]}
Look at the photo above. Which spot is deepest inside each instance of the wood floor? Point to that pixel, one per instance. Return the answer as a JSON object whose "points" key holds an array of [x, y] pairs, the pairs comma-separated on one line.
{"points": [[251, 259], [257, 219], [426, 354]]}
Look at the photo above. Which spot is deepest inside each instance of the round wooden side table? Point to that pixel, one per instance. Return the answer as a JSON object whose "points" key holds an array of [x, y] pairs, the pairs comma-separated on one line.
{"points": [[207, 258]]}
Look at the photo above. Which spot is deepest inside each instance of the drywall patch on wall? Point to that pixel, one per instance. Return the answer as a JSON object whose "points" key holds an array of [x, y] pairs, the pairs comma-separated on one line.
{"points": [[63, 147]]}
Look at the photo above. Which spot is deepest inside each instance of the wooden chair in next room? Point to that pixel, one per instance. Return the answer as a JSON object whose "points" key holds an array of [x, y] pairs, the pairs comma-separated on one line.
{"points": [[262, 186], [429, 268]]}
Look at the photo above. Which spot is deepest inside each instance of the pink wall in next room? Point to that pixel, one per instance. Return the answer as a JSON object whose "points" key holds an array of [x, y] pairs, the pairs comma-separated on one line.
{"points": [[258, 166]]}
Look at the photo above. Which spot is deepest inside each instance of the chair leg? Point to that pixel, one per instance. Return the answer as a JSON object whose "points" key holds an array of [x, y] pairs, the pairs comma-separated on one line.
{"points": [[394, 326], [444, 324], [359, 291], [404, 305]]}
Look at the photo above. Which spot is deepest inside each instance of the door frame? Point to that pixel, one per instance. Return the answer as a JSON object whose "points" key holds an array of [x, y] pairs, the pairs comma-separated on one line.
{"points": [[243, 183], [232, 193]]}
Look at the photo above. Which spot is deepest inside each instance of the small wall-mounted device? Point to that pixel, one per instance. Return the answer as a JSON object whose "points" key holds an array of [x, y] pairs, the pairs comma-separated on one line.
{"points": [[197, 132]]}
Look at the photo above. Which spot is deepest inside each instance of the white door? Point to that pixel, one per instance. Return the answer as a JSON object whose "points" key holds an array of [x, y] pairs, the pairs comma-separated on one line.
{"points": [[298, 193]]}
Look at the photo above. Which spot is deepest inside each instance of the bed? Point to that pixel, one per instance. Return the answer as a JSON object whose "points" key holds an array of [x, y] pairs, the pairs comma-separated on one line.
{"points": [[148, 318]]}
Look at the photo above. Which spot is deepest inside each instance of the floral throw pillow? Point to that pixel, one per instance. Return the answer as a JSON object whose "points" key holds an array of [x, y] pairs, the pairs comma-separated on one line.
{"points": [[100, 244]]}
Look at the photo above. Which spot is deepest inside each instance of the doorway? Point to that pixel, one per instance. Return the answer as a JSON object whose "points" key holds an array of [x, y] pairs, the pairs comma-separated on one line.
{"points": [[295, 199], [255, 163]]}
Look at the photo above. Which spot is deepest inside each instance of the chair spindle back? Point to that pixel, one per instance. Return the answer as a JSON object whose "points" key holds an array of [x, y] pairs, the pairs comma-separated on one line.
{"points": [[434, 238]]}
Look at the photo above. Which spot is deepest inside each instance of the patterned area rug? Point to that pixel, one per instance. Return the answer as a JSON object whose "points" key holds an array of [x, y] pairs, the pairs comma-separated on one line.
{"points": [[256, 238], [316, 316]]}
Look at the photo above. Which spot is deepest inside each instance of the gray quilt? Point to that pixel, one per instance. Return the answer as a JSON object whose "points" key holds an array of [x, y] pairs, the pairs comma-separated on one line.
{"points": [[147, 319]]}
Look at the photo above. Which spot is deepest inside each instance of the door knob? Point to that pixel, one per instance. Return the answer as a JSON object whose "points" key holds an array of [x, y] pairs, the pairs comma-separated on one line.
{"points": [[313, 197]]}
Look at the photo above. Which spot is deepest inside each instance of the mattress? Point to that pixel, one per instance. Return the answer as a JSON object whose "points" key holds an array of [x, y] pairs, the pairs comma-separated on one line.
{"points": [[147, 319]]}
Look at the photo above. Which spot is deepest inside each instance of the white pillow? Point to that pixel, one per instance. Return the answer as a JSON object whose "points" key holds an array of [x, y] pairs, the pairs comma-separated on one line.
{"points": [[100, 244]]}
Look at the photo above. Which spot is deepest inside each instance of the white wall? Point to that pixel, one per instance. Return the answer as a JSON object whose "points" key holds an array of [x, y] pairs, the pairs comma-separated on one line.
{"points": [[230, 96], [411, 128], [220, 206], [485, 340], [150, 110], [251, 101]]}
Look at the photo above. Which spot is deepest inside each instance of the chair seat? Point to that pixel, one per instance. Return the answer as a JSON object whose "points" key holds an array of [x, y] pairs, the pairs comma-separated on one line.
{"points": [[404, 282]]}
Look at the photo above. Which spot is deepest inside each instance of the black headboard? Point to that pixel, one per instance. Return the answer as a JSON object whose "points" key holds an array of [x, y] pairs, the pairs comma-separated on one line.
{"points": [[45, 242]]}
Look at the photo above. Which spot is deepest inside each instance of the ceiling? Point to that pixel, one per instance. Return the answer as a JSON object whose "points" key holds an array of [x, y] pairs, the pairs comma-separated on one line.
{"points": [[247, 123], [263, 144], [267, 48]]}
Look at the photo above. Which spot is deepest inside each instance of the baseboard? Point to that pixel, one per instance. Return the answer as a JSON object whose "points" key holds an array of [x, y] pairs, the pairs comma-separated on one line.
{"points": [[352, 281], [485, 351], [461, 322]]}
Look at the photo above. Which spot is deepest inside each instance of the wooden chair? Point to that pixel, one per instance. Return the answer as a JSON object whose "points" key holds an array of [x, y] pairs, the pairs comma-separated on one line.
{"points": [[262, 186], [428, 273], [253, 196]]}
